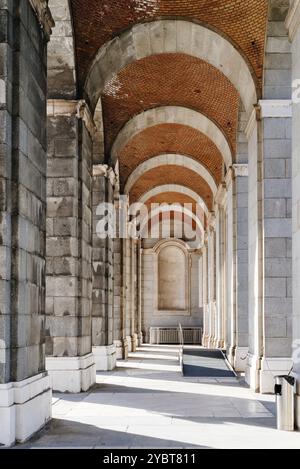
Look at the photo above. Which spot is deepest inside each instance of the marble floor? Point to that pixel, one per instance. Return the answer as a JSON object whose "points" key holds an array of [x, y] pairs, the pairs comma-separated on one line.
{"points": [[147, 403]]}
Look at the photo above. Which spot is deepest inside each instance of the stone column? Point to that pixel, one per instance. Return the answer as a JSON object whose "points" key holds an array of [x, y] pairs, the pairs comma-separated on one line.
{"points": [[134, 295], [293, 25], [270, 231], [25, 395], [240, 255], [205, 338], [220, 266], [104, 349], [230, 264], [270, 224], [70, 361], [119, 332], [212, 280], [140, 282]]}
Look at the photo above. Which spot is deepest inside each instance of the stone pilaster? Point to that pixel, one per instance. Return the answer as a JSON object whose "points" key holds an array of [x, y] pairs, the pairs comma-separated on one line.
{"points": [[206, 332], [240, 256], [270, 232], [104, 180], [69, 246], [220, 204], [120, 341], [293, 23], [25, 395]]}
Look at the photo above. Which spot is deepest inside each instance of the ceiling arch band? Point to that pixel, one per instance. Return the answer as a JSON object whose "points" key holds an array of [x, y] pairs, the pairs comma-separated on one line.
{"points": [[170, 36]]}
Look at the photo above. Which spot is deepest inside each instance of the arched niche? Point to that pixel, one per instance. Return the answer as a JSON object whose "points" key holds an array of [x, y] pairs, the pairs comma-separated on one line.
{"points": [[172, 275]]}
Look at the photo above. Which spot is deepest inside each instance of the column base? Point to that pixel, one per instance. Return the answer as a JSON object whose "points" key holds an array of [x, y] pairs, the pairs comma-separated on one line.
{"points": [[271, 367], [211, 342], [252, 372], [231, 355], [25, 407], [297, 412], [125, 349], [72, 374], [220, 344], [105, 357], [119, 349], [260, 372], [134, 342], [129, 343], [140, 339], [205, 341], [240, 359]]}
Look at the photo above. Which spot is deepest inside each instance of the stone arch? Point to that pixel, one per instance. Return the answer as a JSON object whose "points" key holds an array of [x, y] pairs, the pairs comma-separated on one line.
{"points": [[172, 174], [165, 160], [172, 115], [165, 36], [188, 216], [177, 189], [62, 81]]}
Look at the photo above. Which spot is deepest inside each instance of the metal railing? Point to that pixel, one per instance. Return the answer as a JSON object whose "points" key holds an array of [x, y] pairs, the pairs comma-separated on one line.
{"points": [[169, 335]]}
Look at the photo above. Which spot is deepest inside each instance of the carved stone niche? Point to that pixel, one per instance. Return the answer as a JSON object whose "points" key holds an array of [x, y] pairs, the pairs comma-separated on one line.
{"points": [[172, 278]]}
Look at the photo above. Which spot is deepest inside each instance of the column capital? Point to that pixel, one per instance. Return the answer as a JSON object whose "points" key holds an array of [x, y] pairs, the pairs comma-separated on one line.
{"points": [[228, 177], [220, 197], [71, 107], [292, 21], [211, 221], [240, 170], [275, 108], [255, 116], [44, 16], [103, 170]]}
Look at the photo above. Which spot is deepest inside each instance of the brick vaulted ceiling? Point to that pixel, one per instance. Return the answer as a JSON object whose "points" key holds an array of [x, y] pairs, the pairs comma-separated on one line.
{"points": [[169, 79], [170, 138], [242, 22], [171, 198], [172, 175]]}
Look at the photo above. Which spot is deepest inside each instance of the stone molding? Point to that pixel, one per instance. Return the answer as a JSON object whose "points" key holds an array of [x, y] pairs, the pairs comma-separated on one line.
{"points": [[228, 178], [255, 116], [292, 21], [105, 171], [211, 221], [220, 197], [44, 16], [25, 407], [241, 170], [275, 108], [72, 374], [68, 108]]}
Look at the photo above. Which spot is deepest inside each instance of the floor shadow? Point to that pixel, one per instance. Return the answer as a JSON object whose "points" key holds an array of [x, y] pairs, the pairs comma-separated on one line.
{"points": [[63, 434]]}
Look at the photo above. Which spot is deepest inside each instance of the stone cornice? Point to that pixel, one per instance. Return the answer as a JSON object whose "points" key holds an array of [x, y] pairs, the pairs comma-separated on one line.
{"points": [[275, 108], [65, 107], [44, 16], [292, 21], [241, 170], [84, 113]]}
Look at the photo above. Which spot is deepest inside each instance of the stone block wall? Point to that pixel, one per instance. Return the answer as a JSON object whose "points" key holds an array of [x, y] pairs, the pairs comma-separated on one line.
{"points": [[25, 395], [22, 192], [69, 236]]}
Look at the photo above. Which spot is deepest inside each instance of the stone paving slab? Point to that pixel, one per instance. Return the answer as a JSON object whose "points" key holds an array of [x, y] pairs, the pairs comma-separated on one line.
{"points": [[162, 409]]}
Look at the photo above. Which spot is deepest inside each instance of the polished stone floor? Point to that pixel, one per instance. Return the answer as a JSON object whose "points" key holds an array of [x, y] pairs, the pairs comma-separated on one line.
{"points": [[147, 403]]}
